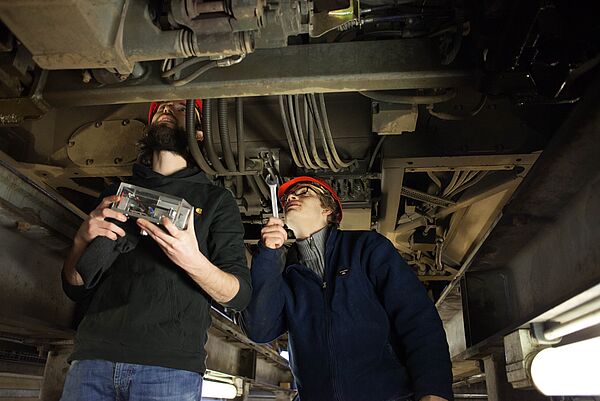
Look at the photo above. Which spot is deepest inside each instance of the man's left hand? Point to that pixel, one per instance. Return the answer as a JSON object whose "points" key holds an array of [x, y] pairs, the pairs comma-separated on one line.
{"points": [[432, 398], [181, 246]]}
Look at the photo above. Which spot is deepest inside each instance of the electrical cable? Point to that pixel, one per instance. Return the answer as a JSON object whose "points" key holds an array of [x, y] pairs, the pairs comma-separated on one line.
{"points": [[376, 151], [469, 184], [223, 116], [317, 117], [435, 179], [241, 145], [330, 137], [288, 135], [297, 117], [190, 119], [451, 185], [208, 139], [295, 131], [310, 128]]}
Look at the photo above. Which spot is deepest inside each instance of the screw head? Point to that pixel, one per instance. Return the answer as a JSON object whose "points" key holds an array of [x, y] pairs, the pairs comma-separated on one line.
{"points": [[125, 122], [98, 124], [89, 162], [118, 160]]}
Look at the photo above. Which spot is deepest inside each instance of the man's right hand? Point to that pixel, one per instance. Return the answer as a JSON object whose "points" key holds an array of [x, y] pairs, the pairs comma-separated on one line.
{"points": [[95, 225], [273, 235]]}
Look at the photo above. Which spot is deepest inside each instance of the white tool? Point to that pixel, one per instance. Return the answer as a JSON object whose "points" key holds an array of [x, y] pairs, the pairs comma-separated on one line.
{"points": [[272, 183]]}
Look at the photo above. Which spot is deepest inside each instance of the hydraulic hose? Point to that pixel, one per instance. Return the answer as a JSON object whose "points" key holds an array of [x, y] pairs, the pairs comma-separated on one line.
{"points": [[224, 135], [190, 126], [208, 140], [241, 146]]}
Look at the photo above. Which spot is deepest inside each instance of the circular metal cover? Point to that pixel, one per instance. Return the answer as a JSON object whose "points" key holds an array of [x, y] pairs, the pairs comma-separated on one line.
{"points": [[105, 143]]}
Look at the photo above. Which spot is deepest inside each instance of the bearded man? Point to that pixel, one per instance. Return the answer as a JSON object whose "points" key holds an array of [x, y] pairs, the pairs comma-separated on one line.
{"points": [[143, 335]]}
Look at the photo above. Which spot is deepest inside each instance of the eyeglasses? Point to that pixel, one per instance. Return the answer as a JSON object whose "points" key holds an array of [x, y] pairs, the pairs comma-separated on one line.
{"points": [[301, 192]]}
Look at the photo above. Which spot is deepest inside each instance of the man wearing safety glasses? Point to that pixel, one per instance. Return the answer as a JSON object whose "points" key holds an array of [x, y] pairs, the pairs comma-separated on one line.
{"points": [[360, 324]]}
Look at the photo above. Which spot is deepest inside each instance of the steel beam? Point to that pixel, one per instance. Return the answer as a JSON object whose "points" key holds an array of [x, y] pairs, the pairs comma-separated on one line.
{"points": [[544, 250], [332, 67]]}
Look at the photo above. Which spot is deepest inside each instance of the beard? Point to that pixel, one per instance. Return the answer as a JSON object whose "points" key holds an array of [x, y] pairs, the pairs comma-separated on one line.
{"points": [[160, 137]]}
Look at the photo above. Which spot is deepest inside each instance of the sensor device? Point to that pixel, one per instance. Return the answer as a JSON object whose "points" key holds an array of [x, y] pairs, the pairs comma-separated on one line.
{"points": [[151, 205]]}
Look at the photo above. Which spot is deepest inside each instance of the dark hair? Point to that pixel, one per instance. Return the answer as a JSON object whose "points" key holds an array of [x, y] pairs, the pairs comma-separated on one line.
{"points": [[328, 202]]}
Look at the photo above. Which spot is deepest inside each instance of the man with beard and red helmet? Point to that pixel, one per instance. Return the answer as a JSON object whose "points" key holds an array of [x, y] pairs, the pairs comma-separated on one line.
{"points": [[359, 322], [143, 334]]}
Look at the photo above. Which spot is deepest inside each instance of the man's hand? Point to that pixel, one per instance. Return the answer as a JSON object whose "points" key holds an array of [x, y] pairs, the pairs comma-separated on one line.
{"points": [[273, 235], [432, 398], [95, 224], [181, 246]]}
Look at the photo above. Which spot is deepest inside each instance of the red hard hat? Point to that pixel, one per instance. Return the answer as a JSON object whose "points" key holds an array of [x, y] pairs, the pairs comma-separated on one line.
{"points": [[314, 181], [154, 107]]}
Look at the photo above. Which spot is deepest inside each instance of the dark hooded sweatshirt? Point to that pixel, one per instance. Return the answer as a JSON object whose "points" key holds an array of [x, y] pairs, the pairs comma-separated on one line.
{"points": [[145, 309]]}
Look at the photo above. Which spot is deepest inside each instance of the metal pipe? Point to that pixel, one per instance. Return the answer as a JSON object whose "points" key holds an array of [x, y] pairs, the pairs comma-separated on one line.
{"points": [[394, 97], [190, 126], [288, 135], [262, 186], [208, 139], [241, 145], [254, 187], [484, 193], [571, 326]]}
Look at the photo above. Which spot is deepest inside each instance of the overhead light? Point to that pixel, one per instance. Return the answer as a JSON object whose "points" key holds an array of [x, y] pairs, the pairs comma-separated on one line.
{"points": [[212, 389], [568, 370]]}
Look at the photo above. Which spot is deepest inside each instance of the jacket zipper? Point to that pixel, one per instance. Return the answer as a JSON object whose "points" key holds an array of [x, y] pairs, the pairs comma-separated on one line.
{"points": [[333, 364]]}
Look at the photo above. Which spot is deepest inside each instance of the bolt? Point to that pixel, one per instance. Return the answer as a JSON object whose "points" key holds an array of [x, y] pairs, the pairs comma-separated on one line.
{"points": [[23, 226], [98, 124], [118, 160], [86, 77], [125, 122], [89, 162]]}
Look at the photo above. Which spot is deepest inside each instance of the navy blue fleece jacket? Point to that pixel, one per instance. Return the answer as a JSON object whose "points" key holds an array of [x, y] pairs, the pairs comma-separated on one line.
{"points": [[366, 332]]}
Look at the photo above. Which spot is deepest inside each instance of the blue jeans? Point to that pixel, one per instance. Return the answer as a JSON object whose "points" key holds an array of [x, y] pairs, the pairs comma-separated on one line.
{"points": [[99, 380]]}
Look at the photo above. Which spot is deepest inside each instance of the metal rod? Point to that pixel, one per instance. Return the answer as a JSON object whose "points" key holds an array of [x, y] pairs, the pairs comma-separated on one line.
{"points": [[571, 326]]}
